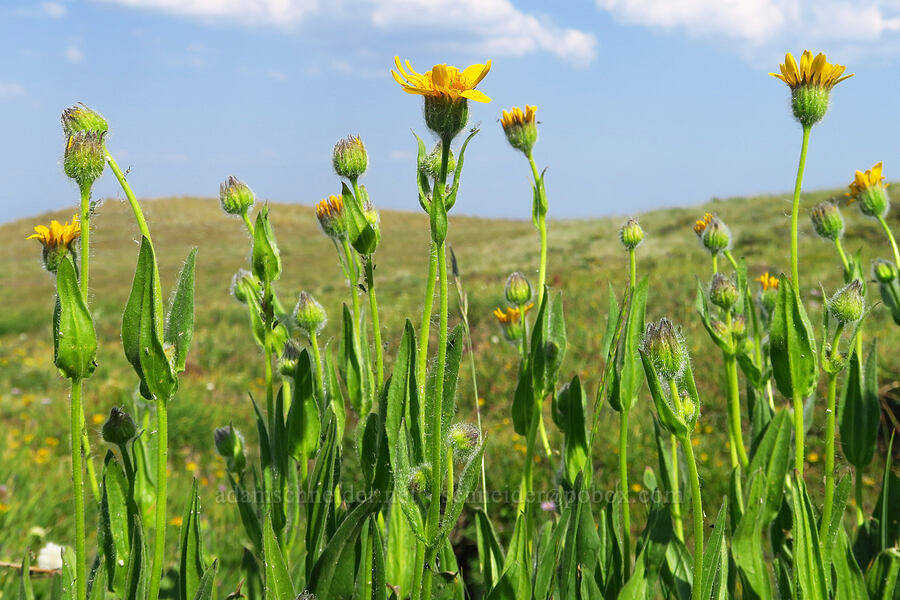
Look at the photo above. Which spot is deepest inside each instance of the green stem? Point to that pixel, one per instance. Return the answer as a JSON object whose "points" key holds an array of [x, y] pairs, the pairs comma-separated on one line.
{"points": [[159, 542], [798, 433], [623, 483], [844, 261], [795, 214], [715, 263], [85, 251], [78, 489], [376, 327], [542, 229], [697, 509], [135, 207], [317, 359], [246, 217], [731, 260], [424, 330], [418, 571], [734, 410], [890, 236], [829, 457], [354, 300], [860, 517], [675, 506]]}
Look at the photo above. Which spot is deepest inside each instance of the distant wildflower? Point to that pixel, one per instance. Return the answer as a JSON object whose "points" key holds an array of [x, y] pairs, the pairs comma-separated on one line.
{"points": [[767, 281], [870, 190], [520, 128], [330, 213]]}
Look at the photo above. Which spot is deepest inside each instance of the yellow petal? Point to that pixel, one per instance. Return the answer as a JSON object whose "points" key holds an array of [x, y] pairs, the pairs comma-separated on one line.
{"points": [[475, 95]]}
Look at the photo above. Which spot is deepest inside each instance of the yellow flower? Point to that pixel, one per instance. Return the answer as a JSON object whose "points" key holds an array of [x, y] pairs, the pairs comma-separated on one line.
{"points": [[511, 315], [57, 235], [863, 181], [176, 521], [330, 207], [516, 116], [191, 466], [812, 457], [700, 224], [768, 282], [443, 81], [816, 71], [636, 487], [97, 418], [4, 507], [51, 441]]}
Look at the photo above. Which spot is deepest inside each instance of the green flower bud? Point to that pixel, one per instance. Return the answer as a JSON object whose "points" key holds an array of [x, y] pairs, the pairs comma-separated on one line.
{"points": [[349, 158], [464, 439], [446, 116], [631, 234], [236, 196], [81, 118], [330, 213], [431, 166], [230, 446], [767, 299], [884, 271], [827, 220], [287, 363], [739, 326], [723, 292], [847, 303], [419, 480], [874, 201], [119, 428], [716, 237], [84, 158], [518, 289], [665, 347], [809, 103], [309, 314], [520, 128], [245, 285]]}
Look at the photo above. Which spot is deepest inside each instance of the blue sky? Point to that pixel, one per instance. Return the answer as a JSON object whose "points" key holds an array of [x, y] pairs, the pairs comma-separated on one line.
{"points": [[642, 103]]}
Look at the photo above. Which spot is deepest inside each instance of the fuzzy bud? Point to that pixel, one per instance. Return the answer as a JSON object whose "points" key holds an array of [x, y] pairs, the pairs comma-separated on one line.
{"points": [[723, 292], [236, 196], [81, 118], [230, 446], [716, 236], [419, 481], [739, 326], [464, 439], [349, 158], [847, 303], [245, 285], [287, 363], [874, 201], [809, 103], [119, 428], [84, 159], [827, 220], [330, 213], [665, 347], [631, 234], [431, 166], [518, 289], [884, 270], [309, 314], [520, 128]]}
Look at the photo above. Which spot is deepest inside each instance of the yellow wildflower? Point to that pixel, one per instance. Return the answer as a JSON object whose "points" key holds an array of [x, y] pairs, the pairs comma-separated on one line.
{"points": [[812, 457], [768, 282], [51, 441], [191, 466], [816, 71], [517, 116], [636, 487], [176, 521], [443, 81], [865, 180], [57, 235], [700, 224], [511, 315], [332, 206], [97, 418], [4, 507]]}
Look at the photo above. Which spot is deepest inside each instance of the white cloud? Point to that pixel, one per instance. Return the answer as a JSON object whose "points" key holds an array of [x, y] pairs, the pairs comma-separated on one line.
{"points": [[11, 90], [276, 75], [74, 54], [54, 9], [759, 23], [491, 27]]}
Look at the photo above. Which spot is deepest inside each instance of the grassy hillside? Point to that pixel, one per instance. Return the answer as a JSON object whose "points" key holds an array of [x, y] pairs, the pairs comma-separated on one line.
{"points": [[224, 364]]}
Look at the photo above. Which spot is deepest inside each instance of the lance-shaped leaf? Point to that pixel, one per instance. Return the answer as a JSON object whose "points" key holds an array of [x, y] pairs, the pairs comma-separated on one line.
{"points": [[457, 174], [74, 339], [849, 581], [808, 567], [548, 345], [320, 493], [523, 400], [138, 575], [278, 580], [883, 576], [771, 457], [114, 534], [490, 553], [266, 258], [179, 329], [249, 517], [423, 185], [859, 413], [142, 329], [205, 588], [26, 591], [568, 414], [192, 565], [746, 544], [714, 581], [792, 345], [830, 541], [628, 375], [349, 364], [303, 426], [673, 422], [333, 396], [363, 235]]}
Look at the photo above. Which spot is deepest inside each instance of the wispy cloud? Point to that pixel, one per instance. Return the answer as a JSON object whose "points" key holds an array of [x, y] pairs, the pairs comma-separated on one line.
{"points": [[11, 90], [54, 10], [495, 27], [74, 54]]}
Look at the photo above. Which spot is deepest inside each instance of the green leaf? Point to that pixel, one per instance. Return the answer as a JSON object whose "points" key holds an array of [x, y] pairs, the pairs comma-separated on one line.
{"points": [[303, 426], [363, 236], [859, 413], [460, 159], [349, 365], [265, 258], [490, 553], [569, 407], [523, 400], [747, 542], [333, 396], [792, 345], [808, 567], [515, 581], [714, 580], [839, 504], [672, 422], [205, 588], [138, 575], [192, 564], [548, 345], [884, 574], [400, 562], [26, 591], [628, 376], [320, 493], [74, 339], [849, 581], [771, 457], [248, 514], [278, 580], [113, 535], [422, 184], [612, 318], [180, 323]]}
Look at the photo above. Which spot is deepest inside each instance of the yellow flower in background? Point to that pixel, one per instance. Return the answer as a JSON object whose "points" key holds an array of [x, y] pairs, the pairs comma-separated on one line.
{"points": [[768, 282], [176, 521], [511, 315], [864, 180], [816, 71], [516, 116], [520, 128], [700, 224], [57, 235], [443, 81], [97, 419]]}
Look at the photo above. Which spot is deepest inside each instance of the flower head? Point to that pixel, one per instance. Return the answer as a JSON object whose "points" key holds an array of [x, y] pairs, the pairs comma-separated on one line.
{"points": [[631, 234], [443, 81], [767, 281], [56, 241], [827, 220], [811, 83], [330, 213], [235, 196], [870, 190], [713, 233], [520, 127], [510, 321], [701, 223]]}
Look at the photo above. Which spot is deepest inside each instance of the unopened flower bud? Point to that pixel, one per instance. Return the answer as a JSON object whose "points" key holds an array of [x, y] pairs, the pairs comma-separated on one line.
{"points": [[119, 428], [716, 236], [518, 289], [330, 213], [520, 128], [309, 314], [349, 158], [230, 446], [244, 285], [419, 481], [723, 292], [236, 196], [464, 439], [665, 347], [827, 220], [739, 326], [874, 201], [431, 166], [287, 363], [884, 270], [631, 234], [81, 118], [847, 303], [84, 159]]}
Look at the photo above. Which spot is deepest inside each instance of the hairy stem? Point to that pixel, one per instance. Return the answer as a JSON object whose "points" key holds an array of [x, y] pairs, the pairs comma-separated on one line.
{"points": [[623, 483], [697, 510], [75, 418], [734, 410], [376, 327], [829, 457], [795, 213], [159, 541], [424, 330], [890, 236]]}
